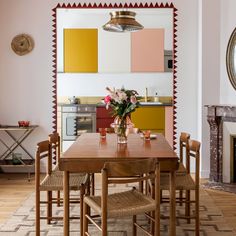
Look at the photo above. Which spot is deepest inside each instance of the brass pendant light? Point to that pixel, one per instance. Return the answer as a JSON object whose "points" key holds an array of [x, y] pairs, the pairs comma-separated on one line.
{"points": [[122, 21]]}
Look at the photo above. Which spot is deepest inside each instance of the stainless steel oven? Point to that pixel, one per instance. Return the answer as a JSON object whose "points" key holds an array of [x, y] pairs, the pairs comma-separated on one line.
{"points": [[77, 119]]}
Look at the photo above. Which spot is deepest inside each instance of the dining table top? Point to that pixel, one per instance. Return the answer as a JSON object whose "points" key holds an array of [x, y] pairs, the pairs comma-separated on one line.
{"points": [[89, 152]]}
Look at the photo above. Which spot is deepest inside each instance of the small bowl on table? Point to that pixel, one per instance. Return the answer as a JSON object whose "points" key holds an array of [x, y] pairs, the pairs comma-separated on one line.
{"points": [[23, 123]]}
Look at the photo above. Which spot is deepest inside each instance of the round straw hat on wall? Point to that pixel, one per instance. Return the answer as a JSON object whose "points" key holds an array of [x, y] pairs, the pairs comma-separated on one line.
{"points": [[22, 44]]}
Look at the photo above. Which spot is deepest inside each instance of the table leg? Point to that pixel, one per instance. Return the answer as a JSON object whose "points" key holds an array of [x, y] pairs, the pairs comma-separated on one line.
{"points": [[66, 203], [172, 231]]}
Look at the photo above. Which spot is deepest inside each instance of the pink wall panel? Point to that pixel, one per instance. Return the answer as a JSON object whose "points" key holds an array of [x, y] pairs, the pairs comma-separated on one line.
{"points": [[169, 125], [147, 50]]}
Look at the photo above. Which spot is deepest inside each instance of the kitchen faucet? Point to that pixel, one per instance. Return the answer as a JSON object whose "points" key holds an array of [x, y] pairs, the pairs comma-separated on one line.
{"points": [[146, 95]]}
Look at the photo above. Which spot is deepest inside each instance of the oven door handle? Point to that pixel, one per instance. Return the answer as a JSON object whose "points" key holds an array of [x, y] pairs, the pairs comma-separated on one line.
{"points": [[84, 114]]}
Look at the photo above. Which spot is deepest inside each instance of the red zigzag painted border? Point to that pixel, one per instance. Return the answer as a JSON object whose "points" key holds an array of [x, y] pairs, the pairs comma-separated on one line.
{"points": [[115, 5]]}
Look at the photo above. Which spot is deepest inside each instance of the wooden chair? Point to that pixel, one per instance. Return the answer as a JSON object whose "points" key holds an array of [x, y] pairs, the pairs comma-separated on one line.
{"points": [[54, 140], [187, 183], [183, 164], [183, 146], [126, 203], [53, 182]]}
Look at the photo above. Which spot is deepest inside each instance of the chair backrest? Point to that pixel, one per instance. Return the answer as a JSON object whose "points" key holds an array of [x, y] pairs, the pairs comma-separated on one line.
{"points": [[134, 171], [194, 151], [43, 151], [183, 142], [54, 140]]}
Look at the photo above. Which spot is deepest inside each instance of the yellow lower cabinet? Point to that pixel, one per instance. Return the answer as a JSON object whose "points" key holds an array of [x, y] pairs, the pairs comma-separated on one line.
{"points": [[150, 118]]}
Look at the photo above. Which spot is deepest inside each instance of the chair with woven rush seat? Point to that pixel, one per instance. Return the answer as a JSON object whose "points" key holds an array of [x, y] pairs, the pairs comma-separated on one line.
{"points": [[53, 182], [183, 163], [187, 183], [126, 203], [54, 140], [183, 147]]}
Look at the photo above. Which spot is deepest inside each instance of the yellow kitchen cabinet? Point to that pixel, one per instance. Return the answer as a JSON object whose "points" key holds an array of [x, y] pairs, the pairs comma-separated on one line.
{"points": [[149, 118], [81, 50]]}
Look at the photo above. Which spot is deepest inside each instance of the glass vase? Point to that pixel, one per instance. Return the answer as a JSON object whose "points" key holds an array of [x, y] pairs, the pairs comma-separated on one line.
{"points": [[121, 126], [121, 132]]}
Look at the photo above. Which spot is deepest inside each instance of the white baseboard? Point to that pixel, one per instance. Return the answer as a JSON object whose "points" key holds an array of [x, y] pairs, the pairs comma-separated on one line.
{"points": [[204, 174]]}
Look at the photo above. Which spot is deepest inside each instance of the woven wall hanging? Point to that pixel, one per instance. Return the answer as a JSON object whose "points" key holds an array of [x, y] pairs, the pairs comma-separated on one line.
{"points": [[22, 44]]}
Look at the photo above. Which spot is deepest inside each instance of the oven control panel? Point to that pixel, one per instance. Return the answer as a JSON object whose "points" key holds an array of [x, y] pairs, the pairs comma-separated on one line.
{"points": [[79, 108]]}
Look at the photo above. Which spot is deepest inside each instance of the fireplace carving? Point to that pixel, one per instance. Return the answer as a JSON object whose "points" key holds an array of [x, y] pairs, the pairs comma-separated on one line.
{"points": [[216, 115]]}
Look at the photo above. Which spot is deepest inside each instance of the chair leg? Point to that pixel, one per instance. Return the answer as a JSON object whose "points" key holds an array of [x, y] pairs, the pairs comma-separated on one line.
{"points": [[49, 207], [104, 224], [58, 198], [157, 222], [93, 184], [187, 206], [85, 220], [197, 220], [37, 211], [82, 191], [141, 187], [134, 226], [180, 197]]}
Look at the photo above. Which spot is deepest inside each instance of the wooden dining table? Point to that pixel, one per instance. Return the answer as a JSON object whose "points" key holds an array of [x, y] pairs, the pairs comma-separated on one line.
{"points": [[89, 153]]}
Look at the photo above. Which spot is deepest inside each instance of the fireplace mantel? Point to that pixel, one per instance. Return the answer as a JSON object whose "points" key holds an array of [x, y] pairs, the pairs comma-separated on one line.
{"points": [[216, 115]]}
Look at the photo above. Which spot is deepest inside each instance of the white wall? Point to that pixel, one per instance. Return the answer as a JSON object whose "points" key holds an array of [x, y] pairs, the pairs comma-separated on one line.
{"points": [[210, 71], [96, 18], [228, 23], [113, 72], [219, 20], [70, 84], [26, 81], [187, 67], [227, 92]]}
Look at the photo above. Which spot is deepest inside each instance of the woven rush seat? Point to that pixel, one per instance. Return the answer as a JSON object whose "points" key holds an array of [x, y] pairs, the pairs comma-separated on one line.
{"points": [[121, 204], [54, 181], [58, 172], [125, 203], [183, 182]]}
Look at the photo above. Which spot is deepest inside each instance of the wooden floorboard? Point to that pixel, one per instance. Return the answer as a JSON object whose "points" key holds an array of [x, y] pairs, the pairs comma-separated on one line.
{"points": [[15, 188], [227, 203]]}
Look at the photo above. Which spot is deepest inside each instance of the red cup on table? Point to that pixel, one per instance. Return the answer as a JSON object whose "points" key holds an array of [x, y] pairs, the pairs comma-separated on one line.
{"points": [[146, 134], [102, 132]]}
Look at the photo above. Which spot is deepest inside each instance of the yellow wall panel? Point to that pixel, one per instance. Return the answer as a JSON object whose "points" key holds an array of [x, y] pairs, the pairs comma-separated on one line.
{"points": [[152, 118], [81, 50]]}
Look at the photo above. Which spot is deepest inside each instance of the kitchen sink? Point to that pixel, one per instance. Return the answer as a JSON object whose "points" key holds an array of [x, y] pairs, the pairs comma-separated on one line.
{"points": [[150, 103]]}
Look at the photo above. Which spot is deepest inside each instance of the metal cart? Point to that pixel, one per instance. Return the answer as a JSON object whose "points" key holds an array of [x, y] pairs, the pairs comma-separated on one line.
{"points": [[5, 158]]}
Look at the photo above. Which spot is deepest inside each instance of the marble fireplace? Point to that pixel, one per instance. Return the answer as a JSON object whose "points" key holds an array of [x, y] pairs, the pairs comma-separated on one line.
{"points": [[220, 118]]}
